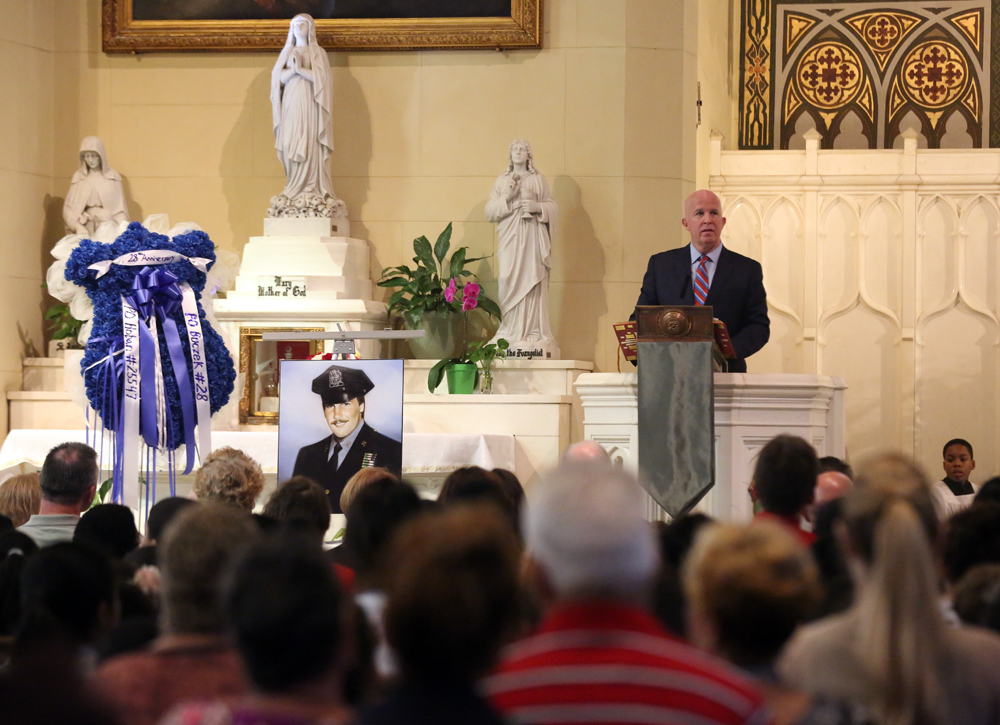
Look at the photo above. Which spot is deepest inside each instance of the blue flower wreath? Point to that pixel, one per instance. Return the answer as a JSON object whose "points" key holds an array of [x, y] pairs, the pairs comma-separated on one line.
{"points": [[106, 294]]}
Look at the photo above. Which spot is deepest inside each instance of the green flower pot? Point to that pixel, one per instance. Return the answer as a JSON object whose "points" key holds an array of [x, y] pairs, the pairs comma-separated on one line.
{"points": [[461, 378]]}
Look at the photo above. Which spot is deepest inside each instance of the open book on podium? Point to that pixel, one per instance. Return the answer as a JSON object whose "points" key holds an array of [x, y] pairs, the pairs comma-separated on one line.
{"points": [[675, 323]]}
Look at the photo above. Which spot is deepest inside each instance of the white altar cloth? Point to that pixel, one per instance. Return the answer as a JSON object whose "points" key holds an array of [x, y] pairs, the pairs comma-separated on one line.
{"points": [[422, 452]]}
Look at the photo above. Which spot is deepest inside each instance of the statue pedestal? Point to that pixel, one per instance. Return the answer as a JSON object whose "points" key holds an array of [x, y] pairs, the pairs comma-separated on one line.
{"points": [[533, 351], [299, 276]]}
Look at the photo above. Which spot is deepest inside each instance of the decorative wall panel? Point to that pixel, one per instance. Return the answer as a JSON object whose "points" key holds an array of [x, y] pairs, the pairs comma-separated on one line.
{"points": [[862, 72], [880, 267]]}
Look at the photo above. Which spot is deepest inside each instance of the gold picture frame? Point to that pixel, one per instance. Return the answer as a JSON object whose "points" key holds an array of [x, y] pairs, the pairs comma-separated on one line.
{"points": [[251, 412], [123, 33]]}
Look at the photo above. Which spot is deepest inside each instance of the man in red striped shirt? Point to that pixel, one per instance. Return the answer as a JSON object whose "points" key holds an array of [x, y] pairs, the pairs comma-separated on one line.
{"points": [[599, 656]]}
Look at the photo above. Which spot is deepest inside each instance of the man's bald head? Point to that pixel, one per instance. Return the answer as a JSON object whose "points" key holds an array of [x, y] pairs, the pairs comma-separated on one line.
{"points": [[703, 219], [831, 485]]}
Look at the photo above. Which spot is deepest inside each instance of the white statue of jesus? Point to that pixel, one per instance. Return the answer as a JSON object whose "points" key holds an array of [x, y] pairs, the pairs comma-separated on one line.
{"points": [[521, 206]]}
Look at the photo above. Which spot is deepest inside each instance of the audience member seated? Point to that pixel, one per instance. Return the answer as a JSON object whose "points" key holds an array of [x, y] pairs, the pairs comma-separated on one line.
{"points": [[512, 487], [748, 588], [301, 503], [893, 651], [595, 555], [675, 540], [68, 483], [972, 537], [976, 597], [955, 492], [838, 588], [160, 515], [68, 602], [286, 613], [586, 452], [836, 465], [785, 482], [20, 498], [191, 659], [473, 484], [452, 604], [376, 515], [989, 491], [230, 477], [359, 480], [109, 527], [15, 548]]}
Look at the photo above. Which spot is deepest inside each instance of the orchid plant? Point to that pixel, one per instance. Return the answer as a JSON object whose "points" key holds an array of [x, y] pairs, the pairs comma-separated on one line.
{"points": [[436, 283], [482, 353]]}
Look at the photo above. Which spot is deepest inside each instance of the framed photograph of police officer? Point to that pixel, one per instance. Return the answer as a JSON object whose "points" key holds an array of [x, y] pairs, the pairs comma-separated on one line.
{"points": [[337, 417]]}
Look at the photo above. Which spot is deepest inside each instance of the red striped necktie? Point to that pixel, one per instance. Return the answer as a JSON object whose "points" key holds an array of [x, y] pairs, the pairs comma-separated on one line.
{"points": [[701, 281]]}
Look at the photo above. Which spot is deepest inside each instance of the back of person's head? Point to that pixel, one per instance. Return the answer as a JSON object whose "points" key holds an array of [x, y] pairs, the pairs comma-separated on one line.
{"points": [[20, 497], [891, 524], [109, 527], [359, 480], [284, 606], [300, 501], [989, 491], [976, 597], [69, 475], [15, 548], [583, 452], [972, 537], [836, 465], [749, 587], [162, 513], [376, 514], [585, 527], [473, 484], [677, 537], [197, 546], [67, 593], [454, 598], [512, 487], [230, 477], [785, 475]]}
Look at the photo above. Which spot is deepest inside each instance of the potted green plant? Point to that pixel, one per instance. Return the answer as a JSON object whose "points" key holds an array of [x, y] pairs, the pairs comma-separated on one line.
{"points": [[436, 296], [462, 371], [63, 325]]}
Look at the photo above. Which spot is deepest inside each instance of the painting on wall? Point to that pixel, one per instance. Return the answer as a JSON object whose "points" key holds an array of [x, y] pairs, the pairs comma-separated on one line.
{"points": [[863, 73], [140, 26]]}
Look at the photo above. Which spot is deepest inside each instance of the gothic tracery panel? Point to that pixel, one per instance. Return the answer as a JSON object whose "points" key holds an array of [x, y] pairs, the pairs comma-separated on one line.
{"points": [[879, 64]]}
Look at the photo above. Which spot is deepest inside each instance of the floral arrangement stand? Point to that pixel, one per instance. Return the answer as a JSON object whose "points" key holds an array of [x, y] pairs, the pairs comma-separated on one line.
{"points": [[154, 367]]}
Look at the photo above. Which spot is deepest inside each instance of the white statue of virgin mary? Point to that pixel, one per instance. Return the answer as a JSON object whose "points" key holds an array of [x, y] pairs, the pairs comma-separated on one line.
{"points": [[302, 112]]}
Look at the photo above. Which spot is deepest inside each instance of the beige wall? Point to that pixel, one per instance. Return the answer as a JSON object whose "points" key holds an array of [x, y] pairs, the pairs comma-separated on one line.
{"points": [[26, 114], [718, 48], [608, 105]]}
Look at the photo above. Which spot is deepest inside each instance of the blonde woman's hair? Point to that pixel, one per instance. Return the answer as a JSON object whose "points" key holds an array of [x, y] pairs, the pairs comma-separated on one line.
{"points": [[755, 584], [20, 497], [229, 476], [902, 643], [359, 480]]}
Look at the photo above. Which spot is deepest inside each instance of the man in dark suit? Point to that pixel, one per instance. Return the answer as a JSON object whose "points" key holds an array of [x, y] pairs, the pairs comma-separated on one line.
{"points": [[706, 273], [353, 444]]}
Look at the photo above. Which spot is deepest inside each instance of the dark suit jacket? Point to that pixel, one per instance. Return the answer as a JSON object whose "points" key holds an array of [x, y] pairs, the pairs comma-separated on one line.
{"points": [[737, 296], [380, 450]]}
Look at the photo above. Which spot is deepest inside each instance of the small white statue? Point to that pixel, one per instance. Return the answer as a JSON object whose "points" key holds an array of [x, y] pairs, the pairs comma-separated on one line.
{"points": [[95, 193], [521, 206], [302, 114]]}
